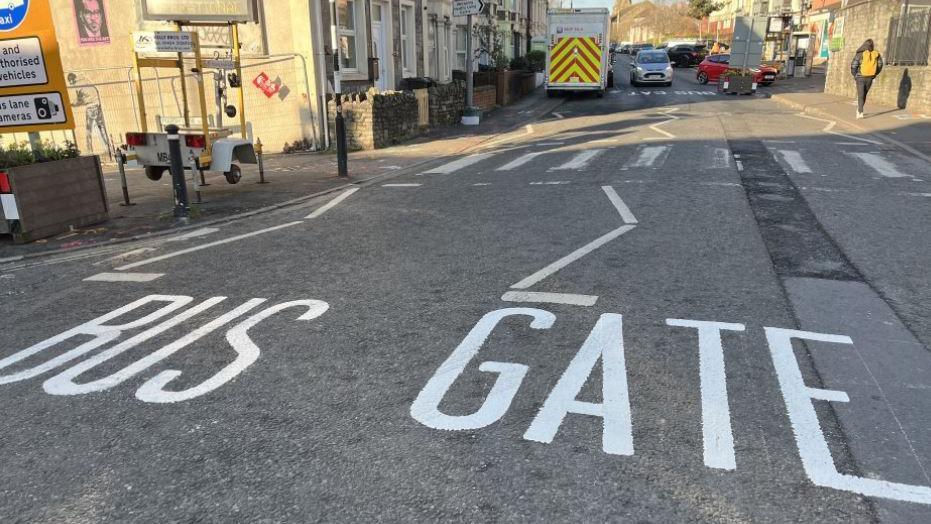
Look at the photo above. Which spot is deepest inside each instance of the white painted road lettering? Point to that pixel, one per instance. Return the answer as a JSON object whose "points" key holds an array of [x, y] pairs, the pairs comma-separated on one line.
{"points": [[606, 343], [153, 390]]}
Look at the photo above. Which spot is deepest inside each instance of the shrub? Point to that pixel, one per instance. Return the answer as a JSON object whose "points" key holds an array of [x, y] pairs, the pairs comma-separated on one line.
{"points": [[518, 63], [536, 60], [21, 154]]}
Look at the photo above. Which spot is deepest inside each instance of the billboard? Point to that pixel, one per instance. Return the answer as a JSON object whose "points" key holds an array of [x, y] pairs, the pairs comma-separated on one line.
{"points": [[33, 95], [200, 10]]}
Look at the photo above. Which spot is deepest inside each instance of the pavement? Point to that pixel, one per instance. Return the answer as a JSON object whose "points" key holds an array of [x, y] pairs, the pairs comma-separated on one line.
{"points": [[665, 305], [290, 178]]}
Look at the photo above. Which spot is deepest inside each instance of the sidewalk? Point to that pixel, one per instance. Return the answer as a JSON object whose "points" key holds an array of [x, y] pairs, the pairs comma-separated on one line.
{"points": [[291, 178], [900, 127]]}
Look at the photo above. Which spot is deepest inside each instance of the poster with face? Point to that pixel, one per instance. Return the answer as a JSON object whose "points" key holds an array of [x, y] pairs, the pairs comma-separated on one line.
{"points": [[91, 19]]}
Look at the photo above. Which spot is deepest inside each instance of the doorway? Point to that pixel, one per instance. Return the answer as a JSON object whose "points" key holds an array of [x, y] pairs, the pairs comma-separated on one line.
{"points": [[381, 22]]}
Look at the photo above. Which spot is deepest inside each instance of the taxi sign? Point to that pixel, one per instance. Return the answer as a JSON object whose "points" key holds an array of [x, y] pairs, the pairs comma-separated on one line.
{"points": [[33, 93]]}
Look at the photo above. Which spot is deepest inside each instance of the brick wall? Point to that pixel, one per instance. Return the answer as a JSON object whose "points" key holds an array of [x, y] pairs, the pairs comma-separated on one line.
{"points": [[902, 86], [484, 97]]}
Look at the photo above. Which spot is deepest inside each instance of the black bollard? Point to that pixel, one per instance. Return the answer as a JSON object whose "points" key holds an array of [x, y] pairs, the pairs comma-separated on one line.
{"points": [[177, 171]]}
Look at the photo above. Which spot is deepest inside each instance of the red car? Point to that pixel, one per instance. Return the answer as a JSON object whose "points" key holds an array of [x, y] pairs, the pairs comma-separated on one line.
{"points": [[713, 65]]}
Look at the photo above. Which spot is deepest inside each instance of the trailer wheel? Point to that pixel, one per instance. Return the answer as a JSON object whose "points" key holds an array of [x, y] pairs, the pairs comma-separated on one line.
{"points": [[154, 173], [234, 175]]}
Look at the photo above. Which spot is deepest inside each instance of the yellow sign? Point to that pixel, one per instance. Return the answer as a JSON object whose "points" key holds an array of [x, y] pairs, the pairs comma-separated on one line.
{"points": [[33, 94]]}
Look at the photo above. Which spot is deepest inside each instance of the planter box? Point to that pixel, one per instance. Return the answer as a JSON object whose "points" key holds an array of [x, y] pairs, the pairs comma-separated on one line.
{"points": [[49, 198], [738, 85]]}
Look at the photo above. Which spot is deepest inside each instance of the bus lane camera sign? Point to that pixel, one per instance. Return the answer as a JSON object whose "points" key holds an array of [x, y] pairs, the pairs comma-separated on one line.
{"points": [[33, 93]]}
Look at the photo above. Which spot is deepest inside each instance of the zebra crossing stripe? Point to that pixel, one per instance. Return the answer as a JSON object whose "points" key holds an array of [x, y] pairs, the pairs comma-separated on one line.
{"points": [[580, 160]]}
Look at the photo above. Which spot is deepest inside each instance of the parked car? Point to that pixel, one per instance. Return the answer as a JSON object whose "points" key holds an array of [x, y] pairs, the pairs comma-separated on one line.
{"points": [[711, 68], [686, 55], [651, 67]]}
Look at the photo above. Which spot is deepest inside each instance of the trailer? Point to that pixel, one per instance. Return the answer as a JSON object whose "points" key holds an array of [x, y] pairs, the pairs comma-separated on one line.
{"points": [[577, 56], [203, 148]]}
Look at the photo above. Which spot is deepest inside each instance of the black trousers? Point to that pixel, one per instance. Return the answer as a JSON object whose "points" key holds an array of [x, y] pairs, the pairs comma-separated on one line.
{"points": [[863, 88]]}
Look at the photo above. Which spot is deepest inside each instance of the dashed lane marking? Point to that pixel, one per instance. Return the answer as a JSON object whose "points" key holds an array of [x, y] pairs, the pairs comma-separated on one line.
{"points": [[552, 298], [124, 277], [580, 160], [458, 164], [550, 183], [401, 185]]}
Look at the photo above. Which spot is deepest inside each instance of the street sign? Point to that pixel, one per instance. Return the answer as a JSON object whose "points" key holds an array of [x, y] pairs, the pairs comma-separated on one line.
{"points": [[33, 93], [467, 7], [200, 10], [219, 63], [163, 42]]}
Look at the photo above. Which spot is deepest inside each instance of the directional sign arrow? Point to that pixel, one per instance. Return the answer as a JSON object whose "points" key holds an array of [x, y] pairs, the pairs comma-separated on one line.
{"points": [[467, 7]]}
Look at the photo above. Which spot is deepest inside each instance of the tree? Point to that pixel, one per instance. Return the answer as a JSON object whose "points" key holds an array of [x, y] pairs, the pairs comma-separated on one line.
{"points": [[700, 9]]}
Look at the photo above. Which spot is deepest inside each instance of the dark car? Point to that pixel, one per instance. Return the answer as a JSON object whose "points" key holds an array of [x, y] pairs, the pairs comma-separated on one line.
{"points": [[686, 55]]}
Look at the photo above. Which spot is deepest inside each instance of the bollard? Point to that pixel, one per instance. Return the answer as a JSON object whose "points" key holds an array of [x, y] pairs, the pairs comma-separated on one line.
{"points": [[258, 155], [342, 157], [194, 161], [177, 171], [121, 162]]}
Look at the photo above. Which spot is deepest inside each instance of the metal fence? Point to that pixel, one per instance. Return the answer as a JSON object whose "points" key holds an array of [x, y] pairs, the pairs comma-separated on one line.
{"points": [[909, 39]]}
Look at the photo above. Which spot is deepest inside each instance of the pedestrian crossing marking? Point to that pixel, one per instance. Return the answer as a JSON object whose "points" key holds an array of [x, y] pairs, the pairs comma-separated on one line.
{"points": [[580, 160]]}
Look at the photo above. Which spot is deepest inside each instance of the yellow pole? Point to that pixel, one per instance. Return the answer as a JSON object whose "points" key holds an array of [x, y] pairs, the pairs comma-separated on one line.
{"points": [[236, 61], [184, 101], [202, 97], [139, 96]]}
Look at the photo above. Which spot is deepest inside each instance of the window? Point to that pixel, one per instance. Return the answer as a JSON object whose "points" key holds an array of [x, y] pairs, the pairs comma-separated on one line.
{"points": [[350, 43], [431, 68], [444, 51], [408, 65], [909, 36], [461, 42]]}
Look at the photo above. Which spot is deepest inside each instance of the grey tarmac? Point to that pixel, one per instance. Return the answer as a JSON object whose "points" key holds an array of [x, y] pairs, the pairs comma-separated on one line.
{"points": [[537, 333]]}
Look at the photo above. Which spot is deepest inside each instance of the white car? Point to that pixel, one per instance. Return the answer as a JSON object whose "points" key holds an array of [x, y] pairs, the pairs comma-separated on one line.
{"points": [[651, 67]]}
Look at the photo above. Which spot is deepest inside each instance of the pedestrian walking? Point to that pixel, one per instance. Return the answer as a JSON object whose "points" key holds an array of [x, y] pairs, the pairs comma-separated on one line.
{"points": [[867, 63]]}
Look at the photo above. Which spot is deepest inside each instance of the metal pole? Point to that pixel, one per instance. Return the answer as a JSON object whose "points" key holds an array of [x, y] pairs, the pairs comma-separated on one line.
{"points": [[121, 164], [177, 171], [342, 158], [258, 156], [194, 172], [469, 57]]}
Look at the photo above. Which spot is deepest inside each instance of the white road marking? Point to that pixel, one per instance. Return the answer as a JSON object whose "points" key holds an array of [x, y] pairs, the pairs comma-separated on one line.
{"points": [[548, 144], [605, 141], [795, 160], [572, 257], [649, 156], [519, 161], [809, 437], [740, 165], [715, 409], [580, 160], [194, 234], [829, 128], [554, 298], [671, 117], [401, 185], [207, 246], [529, 129], [332, 203], [605, 343], [458, 164], [879, 164], [124, 256], [619, 204], [550, 183], [651, 138], [123, 277], [721, 158], [558, 115], [482, 184]]}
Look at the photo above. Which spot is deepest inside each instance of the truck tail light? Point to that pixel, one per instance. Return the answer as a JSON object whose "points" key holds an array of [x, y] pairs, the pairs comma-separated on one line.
{"points": [[195, 141], [136, 139], [5, 183]]}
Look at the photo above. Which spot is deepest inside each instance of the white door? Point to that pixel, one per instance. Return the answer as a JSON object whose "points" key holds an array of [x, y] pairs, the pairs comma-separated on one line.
{"points": [[380, 44]]}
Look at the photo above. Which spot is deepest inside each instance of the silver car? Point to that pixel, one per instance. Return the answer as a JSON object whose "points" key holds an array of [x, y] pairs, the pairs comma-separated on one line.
{"points": [[651, 67]]}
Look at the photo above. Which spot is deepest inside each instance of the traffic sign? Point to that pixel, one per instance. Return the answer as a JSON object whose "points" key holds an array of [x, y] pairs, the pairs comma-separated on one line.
{"points": [[162, 42], [467, 7], [33, 93]]}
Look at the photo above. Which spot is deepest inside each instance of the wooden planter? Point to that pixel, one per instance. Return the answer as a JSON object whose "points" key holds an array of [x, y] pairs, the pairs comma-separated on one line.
{"points": [[737, 85], [52, 197]]}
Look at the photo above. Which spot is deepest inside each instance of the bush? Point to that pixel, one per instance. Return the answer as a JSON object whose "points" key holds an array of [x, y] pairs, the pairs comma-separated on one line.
{"points": [[21, 154], [518, 63], [536, 60]]}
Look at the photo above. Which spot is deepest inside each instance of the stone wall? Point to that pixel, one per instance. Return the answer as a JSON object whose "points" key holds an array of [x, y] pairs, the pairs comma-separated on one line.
{"points": [[901, 86], [376, 120], [446, 103]]}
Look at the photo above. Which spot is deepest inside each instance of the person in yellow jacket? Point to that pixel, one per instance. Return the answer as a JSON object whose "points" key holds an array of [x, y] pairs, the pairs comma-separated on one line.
{"points": [[715, 49], [867, 63]]}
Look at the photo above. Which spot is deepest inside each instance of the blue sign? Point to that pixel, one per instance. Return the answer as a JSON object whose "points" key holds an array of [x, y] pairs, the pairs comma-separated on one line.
{"points": [[12, 13]]}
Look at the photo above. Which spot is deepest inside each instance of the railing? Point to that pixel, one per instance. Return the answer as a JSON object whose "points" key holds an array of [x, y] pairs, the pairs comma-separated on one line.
{"points": [[909, 39]]}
